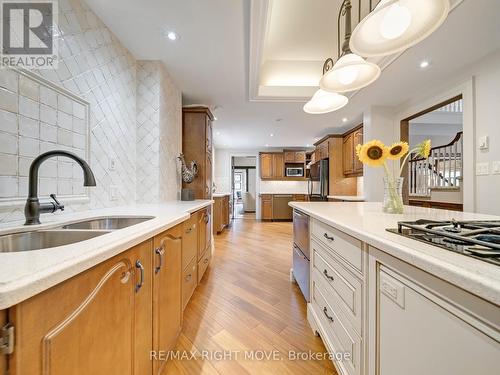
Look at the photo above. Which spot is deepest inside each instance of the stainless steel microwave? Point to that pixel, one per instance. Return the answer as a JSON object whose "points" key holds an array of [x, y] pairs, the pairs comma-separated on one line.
{"points": [[294, 172]]}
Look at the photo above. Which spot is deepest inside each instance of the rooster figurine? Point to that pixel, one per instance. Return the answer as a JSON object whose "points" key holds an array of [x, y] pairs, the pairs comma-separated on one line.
{"points": [[188, 174]]}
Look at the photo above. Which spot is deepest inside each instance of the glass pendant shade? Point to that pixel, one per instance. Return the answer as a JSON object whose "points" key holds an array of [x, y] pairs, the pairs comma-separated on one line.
{"points": [[395, 25], [324, 102], [351, 72]]}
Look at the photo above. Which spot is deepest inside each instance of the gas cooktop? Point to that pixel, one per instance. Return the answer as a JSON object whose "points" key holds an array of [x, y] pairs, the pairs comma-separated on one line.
{"points": [[477, 239]]}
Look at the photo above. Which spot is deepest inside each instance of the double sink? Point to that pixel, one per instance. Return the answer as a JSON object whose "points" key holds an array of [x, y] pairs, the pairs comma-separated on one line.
{"points": [[67, 234]]}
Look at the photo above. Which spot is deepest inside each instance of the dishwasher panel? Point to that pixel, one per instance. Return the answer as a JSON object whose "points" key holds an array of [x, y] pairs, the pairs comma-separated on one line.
{"points": [[281, 209]]}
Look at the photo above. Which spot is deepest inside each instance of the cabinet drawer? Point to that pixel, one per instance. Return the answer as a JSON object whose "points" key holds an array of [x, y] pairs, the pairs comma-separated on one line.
{"points": [[341, 336], [340, 244], [343, 290], [203, 263], [189, 240], [189, 282]]}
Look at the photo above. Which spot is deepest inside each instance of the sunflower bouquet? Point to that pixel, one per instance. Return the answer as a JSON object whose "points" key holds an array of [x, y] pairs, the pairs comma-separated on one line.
{"points": [[375, 154]]}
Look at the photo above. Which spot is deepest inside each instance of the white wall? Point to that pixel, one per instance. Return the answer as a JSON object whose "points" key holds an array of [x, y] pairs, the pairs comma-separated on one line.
{"points": [[378, 123], [479, 85]]}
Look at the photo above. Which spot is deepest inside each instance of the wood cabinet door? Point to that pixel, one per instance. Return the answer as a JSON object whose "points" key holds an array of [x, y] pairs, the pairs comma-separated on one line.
{"points": [[347, 147], [208, 134], [208, 176], [266, 208], [279, 165], [106, 311], [167, 293], [357, 140], [289, 156], [266, 166], [3, 358], [203, 219], [300, 157], [217, 217], [225, 211], [189, 240]]}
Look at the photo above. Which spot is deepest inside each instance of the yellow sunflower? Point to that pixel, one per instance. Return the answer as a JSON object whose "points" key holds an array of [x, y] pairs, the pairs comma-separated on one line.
{"points": [[424, 148], [373, 153], [398, 150]]}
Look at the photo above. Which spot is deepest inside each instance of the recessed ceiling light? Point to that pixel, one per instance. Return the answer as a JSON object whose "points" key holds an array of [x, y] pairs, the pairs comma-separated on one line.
{"points": [[344, 119], [172, 35], [272, 135], [267, 145], [308, 145], [215, 118], [424, 64], [218, 133]]}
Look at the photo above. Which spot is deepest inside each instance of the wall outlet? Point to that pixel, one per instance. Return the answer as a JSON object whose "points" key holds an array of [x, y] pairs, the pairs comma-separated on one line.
{"points": [[113, 193], [482, 169], [483, 143], [112, 164], [495, 167]]}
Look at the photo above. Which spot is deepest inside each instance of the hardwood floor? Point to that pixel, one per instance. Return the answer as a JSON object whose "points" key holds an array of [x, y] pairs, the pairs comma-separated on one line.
{"points": [[246, 303]]}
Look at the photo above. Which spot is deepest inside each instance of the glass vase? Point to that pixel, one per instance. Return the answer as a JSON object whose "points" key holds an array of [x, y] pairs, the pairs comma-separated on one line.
{"points": [[393, 195]]}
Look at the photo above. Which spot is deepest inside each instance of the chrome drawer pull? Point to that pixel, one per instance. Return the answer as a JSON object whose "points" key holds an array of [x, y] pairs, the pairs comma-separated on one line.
{"points": [[330, 238], [159, 251], [325, 272], [139, 265], [325, 311]]}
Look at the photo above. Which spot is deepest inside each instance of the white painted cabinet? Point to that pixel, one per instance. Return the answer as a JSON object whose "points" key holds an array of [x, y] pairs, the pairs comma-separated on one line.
{"points": [[430, 328], [393, 318]]}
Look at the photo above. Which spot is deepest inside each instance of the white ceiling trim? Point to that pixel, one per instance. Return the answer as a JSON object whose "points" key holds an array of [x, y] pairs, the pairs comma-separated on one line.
{"points": [[260, 19]]}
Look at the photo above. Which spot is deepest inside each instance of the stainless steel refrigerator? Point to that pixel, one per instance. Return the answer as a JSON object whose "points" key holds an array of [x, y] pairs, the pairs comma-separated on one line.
{"points": [[318, 181]]}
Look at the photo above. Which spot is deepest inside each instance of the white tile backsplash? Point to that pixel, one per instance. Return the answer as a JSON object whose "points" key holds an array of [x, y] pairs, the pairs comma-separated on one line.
{"points": [[29, 127], [29, 108], [8, 165], [8, 143], [8, 121], [95, 67], [8, 99], [29, 88]]}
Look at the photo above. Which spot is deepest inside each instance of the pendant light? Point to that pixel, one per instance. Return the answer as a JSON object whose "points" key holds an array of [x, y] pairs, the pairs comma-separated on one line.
{"points": [[395, 25], [351, 72], [324, 102]]}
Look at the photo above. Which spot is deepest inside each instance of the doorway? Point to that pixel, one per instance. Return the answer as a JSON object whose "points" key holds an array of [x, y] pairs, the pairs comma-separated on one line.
{"points": [[436, 182], [244, 186]]}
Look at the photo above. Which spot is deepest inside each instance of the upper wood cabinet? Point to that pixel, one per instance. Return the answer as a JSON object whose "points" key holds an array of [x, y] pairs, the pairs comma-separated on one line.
{"points": [[295, 156], [272, 165], [167, 296], [266, 166], [352, 165], [321, 151], [197, 146], [98, 322], [279, 165]]}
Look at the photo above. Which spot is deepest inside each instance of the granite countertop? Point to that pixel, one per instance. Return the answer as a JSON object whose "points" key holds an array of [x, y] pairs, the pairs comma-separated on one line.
{"points": [[350, 198], [367, 222], [27, 273]]}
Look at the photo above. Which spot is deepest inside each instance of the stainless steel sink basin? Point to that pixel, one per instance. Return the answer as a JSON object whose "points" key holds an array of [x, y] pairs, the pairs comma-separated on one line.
{"points": [[108, 223], [43, 239]]}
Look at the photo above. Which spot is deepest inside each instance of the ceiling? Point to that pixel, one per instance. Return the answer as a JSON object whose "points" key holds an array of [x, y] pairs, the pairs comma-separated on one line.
{"points": [[211, 60]]}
